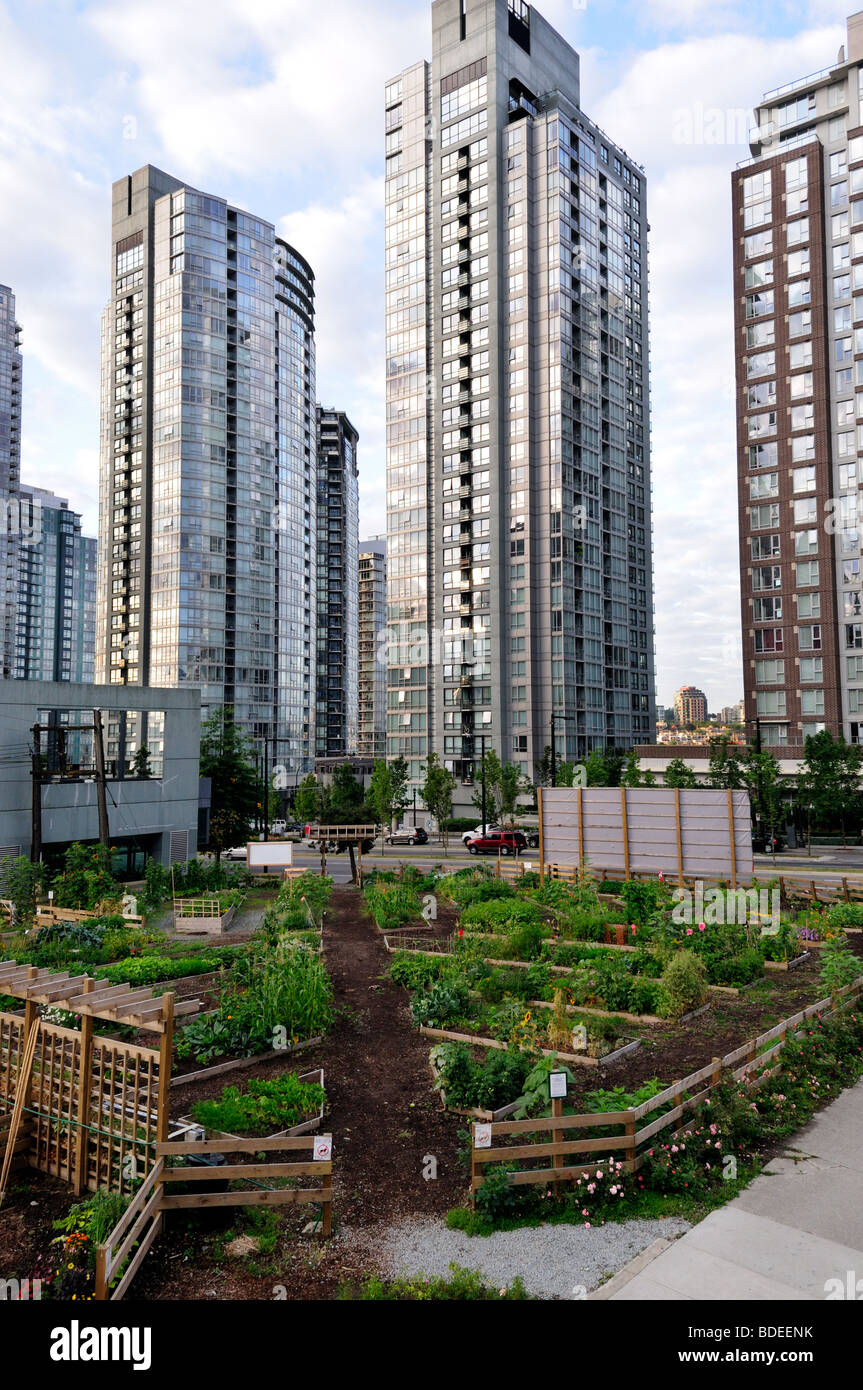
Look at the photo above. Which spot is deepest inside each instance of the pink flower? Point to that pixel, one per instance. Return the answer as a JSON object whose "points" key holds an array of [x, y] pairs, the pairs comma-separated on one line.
{"points": [[688, 931], [701, 926]]}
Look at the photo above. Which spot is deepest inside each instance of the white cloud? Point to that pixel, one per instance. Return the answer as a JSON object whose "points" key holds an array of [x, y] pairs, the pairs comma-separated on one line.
{"points": [[255, 89]]}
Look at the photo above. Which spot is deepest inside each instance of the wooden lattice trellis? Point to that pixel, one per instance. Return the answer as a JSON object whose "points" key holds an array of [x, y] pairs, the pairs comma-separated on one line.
{"points": [[94, 1107]]}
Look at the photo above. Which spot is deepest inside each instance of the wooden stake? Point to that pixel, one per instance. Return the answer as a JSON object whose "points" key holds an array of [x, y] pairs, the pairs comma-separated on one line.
{"points": [[557, 1137], [541, 836], [625, 816], [21, 1092]]}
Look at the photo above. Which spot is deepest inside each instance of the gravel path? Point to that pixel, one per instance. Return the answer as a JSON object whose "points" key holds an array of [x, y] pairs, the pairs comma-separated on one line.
{"points": [[564, 1262]]}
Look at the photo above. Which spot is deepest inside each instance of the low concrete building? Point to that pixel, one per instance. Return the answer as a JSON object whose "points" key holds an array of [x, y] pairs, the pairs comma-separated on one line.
{"points": [[656, 757], [154, 815]]}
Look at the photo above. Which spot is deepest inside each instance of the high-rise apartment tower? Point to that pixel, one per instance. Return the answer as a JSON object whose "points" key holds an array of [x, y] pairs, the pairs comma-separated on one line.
{"points": [[519, 551]]}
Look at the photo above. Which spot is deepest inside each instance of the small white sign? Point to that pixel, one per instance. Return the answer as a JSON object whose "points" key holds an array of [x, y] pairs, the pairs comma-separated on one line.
{"points": [[528, 868], [557, 1084], [323, 1150], [482, 1136]]}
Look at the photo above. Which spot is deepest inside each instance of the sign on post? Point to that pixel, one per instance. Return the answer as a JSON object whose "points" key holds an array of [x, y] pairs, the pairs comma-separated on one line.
{"points": [[270, 854]]}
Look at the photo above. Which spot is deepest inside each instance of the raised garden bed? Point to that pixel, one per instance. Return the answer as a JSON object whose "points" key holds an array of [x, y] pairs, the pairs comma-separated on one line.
{"points": [[786, 965], [202, 916], [188, 1128], [579, 1059], [237, 1063]]}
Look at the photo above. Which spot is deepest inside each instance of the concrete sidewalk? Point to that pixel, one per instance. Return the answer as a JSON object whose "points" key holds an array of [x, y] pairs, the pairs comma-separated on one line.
{"points": [[798, 1225]]}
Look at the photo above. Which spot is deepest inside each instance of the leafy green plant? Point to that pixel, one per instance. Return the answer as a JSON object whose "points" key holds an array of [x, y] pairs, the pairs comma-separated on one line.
{"points": [[463, 1285], [21, 884], [86, 878], [535, 1100], [263, 1108], [641, 900], [436, 1007], [684, 985], [839, 966], [845, 915], [502, 915]]}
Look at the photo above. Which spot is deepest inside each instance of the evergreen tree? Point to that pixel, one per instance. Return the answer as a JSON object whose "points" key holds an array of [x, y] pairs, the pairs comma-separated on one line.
{"points": [[228, 761]]}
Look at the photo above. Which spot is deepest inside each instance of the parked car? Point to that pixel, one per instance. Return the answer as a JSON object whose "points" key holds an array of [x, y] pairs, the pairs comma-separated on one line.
{"points": [[239, 852], [498, 842], [478, 830], [278, 828], [408, 835]]}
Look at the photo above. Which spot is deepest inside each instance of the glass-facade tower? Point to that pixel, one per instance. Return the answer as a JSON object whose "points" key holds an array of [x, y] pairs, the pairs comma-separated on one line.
{"points": [[519, 584], [338, 599], [207, 482]]}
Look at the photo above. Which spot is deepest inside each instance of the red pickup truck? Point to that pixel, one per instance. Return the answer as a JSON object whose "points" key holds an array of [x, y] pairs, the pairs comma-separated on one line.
{"points": [[498, 842]]}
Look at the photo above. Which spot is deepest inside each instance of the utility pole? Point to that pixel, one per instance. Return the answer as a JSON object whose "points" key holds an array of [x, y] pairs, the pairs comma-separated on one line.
{"points": [[266, 780], [101, 790], [481, 739], [36, 830]]}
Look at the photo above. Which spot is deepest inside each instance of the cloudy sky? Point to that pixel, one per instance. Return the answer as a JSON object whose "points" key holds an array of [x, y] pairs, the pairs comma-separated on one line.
{"points": [[277, 105]]}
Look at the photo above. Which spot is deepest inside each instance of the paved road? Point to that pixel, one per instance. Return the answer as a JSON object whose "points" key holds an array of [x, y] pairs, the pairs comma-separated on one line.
{"points": [[794, 1229], [825, 865]]}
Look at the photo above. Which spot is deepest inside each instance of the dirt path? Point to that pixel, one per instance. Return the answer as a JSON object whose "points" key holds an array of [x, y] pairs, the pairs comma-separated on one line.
{"points": [[386, 1121]]}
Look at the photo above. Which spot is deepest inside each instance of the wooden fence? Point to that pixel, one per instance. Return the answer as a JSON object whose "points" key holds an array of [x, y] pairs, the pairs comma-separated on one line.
{"points": [[627, 1134], [142, 1220], [793, 891]]}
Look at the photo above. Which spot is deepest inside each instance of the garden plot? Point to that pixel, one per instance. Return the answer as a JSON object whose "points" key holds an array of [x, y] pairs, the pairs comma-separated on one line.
{"points": [[526, 972]]}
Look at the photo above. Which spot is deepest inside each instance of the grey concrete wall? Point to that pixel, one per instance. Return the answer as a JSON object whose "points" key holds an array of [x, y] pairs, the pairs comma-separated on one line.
{"points": [[69, 812]]}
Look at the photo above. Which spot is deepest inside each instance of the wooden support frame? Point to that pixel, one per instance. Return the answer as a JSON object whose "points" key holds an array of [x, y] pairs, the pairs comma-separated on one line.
{"points": [[732, 840], [679, 830], [624, 815]]}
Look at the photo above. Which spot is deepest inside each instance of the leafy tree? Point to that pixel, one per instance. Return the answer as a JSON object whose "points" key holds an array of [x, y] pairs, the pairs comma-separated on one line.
{"points": [[566, 774], [437, 793], [308, 800], [346, 801], [597, 769], [761, 778], [21, 884], [677, 774], [227, 760], [724, 773], [542, 770], [388, 790], [491, 770], [632, 772], [511, 787], [604, 767], [829, 783], [141, 764]]}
